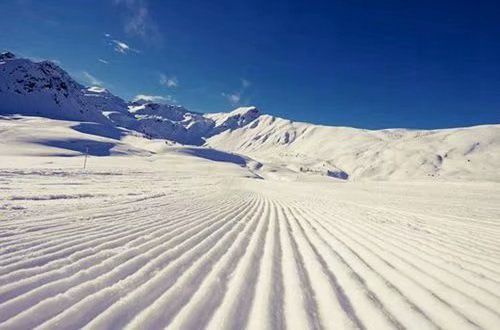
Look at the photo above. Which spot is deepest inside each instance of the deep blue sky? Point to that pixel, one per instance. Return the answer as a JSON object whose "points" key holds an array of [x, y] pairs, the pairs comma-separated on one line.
{"points": [[370, 64]]}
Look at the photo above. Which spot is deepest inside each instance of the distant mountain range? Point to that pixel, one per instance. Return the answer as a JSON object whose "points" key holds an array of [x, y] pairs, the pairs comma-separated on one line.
{"points": [[43, 89]]}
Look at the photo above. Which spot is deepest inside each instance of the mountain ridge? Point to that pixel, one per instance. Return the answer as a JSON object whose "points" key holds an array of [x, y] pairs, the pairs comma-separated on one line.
{"points": [[286, 147], [44, 89]]}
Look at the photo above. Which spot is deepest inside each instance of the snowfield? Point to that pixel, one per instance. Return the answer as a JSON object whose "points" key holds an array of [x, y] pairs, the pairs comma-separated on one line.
{"points": [[168, 236], [140, 215]]}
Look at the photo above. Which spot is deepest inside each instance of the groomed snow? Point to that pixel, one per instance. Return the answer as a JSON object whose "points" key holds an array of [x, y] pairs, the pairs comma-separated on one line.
{"points": [[150, 236]]}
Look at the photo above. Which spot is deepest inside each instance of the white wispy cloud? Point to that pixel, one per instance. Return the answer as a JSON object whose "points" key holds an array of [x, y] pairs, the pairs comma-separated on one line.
{"points": [[103, 61], [154, 98], [245, 83], [169, 82], [234, 98], [119, 46], [92, 80], [139, 21], [41, 59]]}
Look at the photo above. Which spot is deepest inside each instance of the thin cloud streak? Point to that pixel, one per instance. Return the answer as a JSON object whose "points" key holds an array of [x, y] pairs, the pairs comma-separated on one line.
{"points": [[138, 20], [120, 46], [234, 98], [92, 80], [154, 98], [169, 82]]}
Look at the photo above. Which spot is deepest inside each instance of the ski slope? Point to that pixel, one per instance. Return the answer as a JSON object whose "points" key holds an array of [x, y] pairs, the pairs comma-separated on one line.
{"points": [[176, 241], [140, 215]]}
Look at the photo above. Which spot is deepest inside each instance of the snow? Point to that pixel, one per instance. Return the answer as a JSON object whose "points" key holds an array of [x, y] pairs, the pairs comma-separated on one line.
{"points": [[153, 235], [236, 118], [471, 153], [285, 149], [259, 223], [42, 89]]}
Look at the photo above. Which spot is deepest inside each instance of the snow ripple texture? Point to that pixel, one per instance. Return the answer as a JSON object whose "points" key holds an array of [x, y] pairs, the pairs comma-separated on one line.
{"points": [[247, 254]]}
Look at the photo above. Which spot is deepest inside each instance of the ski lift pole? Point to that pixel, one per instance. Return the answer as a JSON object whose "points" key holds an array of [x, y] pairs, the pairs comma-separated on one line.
{"points": [[86, 154]]}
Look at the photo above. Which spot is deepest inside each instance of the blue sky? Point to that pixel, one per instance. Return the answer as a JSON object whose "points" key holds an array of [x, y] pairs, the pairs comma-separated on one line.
{"points": [[369, 64]]}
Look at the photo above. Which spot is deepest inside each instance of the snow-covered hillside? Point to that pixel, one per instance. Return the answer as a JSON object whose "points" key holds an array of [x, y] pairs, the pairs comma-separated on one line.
{"points": [[182, 238], [110, 217], [171, 122], [42, 89], [285, 149], [461, 153]]}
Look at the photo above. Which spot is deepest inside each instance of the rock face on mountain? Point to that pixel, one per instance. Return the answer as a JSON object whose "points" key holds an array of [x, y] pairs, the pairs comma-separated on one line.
{"points": [[112, 107], [171, 122], [233, 120], [44, 89]]}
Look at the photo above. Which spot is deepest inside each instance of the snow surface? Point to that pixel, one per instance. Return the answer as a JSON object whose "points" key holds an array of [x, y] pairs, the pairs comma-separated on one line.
{"points": [[152, 235], [285, 149], [471, 153], [258, 223]]}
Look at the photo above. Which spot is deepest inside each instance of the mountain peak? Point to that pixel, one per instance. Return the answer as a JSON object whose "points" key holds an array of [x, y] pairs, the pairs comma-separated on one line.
{"points": [[44, 89], [249, 111], [7, 56], [237, 118]]}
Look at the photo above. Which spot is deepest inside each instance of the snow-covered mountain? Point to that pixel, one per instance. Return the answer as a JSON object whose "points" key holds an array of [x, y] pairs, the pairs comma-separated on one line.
{"points": [[235, 119], [286, 148], [44, 89], [171, 122], [344, 152]]}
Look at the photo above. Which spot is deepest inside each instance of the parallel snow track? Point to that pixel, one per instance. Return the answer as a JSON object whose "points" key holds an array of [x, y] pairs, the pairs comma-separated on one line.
{"points": [[248, 259]]}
